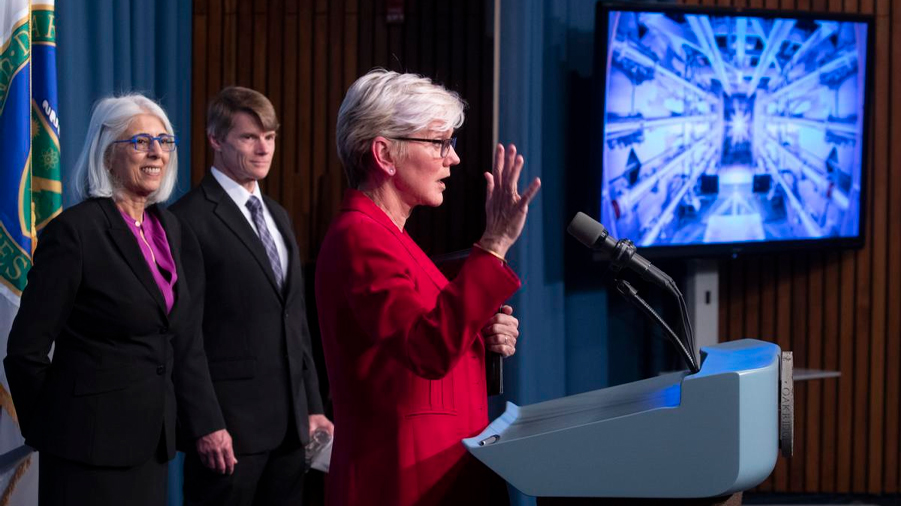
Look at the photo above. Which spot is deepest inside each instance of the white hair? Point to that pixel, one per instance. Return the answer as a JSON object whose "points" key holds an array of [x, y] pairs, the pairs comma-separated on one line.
{"points": [[390, 104], [111, 117]]}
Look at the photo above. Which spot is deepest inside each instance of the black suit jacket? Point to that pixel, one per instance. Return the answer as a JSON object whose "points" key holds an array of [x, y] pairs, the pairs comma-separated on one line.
{"points": [[120, 361], [255, 335]]}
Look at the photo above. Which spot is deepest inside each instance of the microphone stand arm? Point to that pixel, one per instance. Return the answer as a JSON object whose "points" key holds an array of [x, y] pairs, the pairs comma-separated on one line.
{"points": [[631, 294], [622, 255]]}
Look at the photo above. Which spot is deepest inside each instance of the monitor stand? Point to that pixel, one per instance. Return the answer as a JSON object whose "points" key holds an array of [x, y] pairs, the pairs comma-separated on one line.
{"points": [[702, 298]]}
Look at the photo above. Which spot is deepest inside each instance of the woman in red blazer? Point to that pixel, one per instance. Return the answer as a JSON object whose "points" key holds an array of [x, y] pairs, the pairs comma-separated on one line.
{"points": [[405, 348]]}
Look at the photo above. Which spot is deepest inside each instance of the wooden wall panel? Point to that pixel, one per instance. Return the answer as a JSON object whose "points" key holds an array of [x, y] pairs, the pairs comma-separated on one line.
{"points": [[846, 367], [893, 300], [304, 54], [829, 415], [838, 310], [879, 258], [813, 414]]}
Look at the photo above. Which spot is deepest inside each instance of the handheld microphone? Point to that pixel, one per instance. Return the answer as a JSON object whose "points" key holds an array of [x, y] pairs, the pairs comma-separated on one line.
{"points": [[621, 253]]}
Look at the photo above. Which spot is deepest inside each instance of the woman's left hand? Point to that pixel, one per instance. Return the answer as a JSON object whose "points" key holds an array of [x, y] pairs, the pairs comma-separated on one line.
{"points": [[501, 332]]}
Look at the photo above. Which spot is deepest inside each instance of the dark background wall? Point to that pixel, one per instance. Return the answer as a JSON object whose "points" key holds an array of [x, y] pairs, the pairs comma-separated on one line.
{"points": [[837, 310], [304, 54]]}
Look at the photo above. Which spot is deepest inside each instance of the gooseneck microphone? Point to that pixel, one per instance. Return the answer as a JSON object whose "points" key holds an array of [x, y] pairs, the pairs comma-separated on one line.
{"points": [[620, 253]]}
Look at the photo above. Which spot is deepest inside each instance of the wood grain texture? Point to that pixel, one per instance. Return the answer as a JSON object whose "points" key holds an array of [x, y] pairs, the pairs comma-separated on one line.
{"points": [[838, 310], [893, 298], [304, 54]]}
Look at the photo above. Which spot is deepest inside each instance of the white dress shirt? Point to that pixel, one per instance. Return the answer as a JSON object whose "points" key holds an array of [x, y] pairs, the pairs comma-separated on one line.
{"points": [[240, 196]]}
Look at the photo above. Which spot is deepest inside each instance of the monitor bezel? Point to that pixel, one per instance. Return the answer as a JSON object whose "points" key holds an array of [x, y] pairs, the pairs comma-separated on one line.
{"points": [[734, 248]]}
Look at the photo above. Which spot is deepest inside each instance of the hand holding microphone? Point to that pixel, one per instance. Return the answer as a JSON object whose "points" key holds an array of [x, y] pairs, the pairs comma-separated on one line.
{"points": [[501, 332]]}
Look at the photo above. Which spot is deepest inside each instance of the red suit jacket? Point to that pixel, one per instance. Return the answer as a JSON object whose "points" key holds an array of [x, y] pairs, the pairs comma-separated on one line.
{"points": [[406, 363]]}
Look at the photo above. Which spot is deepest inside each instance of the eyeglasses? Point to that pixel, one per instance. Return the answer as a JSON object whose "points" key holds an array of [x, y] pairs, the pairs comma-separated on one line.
{"points": [[143, 142], [445, 144]]}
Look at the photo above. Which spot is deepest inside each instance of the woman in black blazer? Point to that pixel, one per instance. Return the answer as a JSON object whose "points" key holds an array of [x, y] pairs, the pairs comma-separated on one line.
{"points": [[107, 288]]}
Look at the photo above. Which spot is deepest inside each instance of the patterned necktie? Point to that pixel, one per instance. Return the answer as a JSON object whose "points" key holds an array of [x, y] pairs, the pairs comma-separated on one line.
{"points": [[256, 211]]}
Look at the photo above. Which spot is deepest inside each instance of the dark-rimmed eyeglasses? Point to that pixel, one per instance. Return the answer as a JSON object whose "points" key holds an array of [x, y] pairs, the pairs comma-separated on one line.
{"points": [[143, 142], [445, 144]]}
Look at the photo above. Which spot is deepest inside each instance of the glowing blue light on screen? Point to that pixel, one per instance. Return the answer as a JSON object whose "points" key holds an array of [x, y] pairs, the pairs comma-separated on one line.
{"points": [[732, 129], [739, 128]]}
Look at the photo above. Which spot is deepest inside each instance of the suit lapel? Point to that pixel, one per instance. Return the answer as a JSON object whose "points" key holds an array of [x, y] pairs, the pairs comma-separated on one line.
{"points": [[125, 241], [357, 201], [425, 263], [227, 211]]}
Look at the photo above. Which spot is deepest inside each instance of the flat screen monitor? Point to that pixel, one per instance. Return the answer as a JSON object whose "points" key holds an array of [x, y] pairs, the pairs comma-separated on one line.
{"points": [[732, 130]]}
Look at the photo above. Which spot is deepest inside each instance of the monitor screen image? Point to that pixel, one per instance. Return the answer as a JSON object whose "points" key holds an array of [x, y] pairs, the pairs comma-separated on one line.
{"points": [[730, 128]]}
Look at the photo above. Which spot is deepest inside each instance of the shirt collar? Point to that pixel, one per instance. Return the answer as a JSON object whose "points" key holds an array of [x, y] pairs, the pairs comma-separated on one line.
{"points": [[237, 192]]}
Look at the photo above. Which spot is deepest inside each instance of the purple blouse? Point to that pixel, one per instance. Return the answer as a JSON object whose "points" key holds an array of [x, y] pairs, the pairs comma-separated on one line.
{"points": [[156, 247]]}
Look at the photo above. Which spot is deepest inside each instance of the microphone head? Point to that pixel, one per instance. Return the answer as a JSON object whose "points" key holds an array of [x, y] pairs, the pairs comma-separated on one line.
{"points": [[586, 229]]}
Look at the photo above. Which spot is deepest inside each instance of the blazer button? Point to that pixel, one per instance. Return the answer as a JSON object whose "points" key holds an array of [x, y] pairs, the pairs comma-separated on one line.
{"points": [[160, 369]]}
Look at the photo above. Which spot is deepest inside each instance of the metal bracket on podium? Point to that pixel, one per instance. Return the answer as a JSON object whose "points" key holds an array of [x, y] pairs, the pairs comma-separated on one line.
{"points": [[679, 435]]}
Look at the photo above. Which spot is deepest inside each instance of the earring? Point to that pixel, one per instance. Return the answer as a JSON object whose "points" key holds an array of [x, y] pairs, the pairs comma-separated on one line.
{"points": [[391, 171]]}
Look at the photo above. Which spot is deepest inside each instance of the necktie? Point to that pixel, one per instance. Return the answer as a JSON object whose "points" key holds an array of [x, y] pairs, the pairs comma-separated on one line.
{"points": [[256, 212]]}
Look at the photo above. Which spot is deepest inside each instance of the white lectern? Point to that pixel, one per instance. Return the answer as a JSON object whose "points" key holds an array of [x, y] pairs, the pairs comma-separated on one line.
{"points": [[680, 435]]}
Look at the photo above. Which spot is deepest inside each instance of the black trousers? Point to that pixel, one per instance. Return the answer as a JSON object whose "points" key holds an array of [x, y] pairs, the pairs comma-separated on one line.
{"points": [[68, 483], [272, 478]]}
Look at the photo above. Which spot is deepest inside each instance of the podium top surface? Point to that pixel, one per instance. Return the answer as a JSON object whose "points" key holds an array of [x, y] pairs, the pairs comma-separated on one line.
{"points": [[676, 435], [661, 392], [736, 356]]}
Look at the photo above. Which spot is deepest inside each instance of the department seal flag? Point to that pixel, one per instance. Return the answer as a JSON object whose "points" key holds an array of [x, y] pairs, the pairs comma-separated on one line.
{"points": [[30, 195]]}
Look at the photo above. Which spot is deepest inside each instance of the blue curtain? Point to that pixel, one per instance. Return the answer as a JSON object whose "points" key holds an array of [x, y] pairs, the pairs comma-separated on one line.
{"points": [[538, 371], [547, 50], [570, 330], [108, 47], [546, 61]]}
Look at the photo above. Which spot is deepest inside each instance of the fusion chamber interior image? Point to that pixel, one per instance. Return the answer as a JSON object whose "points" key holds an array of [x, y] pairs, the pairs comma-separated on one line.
{"points": [[729, 129]]}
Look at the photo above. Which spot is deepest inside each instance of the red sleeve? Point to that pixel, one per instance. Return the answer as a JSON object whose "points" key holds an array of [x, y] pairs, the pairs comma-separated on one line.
{"points": [[384, 297]]}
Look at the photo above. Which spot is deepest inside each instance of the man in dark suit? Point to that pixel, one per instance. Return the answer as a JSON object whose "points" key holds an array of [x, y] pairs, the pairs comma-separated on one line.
{"points": [[241, 254]]}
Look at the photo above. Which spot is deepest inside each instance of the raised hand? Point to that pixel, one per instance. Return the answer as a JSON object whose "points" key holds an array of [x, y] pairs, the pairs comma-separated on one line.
{"points": [[505, 207]]}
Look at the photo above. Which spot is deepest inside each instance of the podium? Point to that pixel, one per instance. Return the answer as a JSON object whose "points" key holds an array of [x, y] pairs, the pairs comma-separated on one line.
{"points": [[679, 435]]}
